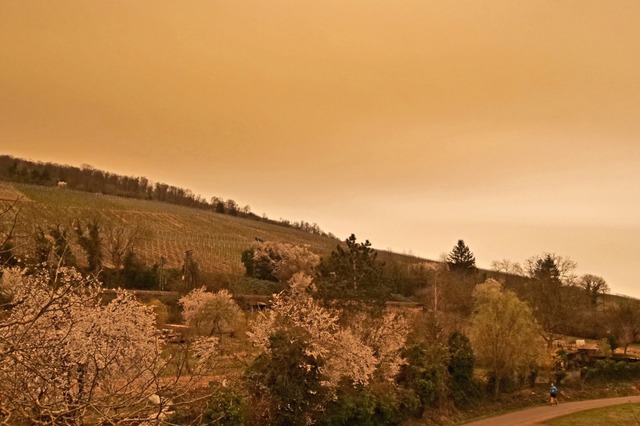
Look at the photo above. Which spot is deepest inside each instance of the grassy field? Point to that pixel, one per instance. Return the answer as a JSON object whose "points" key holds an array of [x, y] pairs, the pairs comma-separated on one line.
{"points": [[217, 240], [618, 415]]}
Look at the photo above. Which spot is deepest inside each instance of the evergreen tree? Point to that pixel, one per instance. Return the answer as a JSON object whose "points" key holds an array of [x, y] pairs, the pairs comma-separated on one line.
{"points": [[550, 293], [289, 377], [547, 270], [43, 246], [91, 243], [51, 245], [61, 247], [461, 364], [353, 272], [461, 258]]}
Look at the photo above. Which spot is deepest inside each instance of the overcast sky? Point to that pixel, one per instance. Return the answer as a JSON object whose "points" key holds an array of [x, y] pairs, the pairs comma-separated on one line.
{"points": [[514, 125]]}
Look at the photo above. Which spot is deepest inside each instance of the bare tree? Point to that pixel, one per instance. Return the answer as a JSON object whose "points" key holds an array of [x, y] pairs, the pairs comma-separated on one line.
{"points": [[506, 266], [120, 241], [625, 318], [594, 286]]}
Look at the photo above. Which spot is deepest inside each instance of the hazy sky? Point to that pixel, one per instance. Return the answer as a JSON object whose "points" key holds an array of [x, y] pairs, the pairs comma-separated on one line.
{"points": [[514, 125]]}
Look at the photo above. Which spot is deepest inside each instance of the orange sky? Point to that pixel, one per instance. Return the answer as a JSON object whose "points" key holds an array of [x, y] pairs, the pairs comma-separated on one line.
{"points": [[511, 124]]}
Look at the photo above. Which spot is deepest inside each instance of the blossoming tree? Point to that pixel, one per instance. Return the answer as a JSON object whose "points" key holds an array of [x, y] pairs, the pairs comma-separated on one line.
{"points": [[67, 356]]}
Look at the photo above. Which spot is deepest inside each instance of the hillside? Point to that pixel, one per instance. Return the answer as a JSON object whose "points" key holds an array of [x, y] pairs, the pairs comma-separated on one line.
{"points": [[217, 240]]}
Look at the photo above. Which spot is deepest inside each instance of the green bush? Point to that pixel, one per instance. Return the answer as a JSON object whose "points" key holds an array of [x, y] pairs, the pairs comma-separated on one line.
{"points": [[362, 405], [425, 374], [460, 367], [288, 378], [225, 407], [608, 370]]}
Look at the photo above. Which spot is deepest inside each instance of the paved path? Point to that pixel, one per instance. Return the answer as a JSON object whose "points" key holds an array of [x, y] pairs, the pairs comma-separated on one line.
{"points": [[537, 415]]}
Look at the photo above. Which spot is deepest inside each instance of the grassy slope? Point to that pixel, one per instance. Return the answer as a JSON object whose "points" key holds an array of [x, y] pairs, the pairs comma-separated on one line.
{"points": [[216, 239], [619, 415]]}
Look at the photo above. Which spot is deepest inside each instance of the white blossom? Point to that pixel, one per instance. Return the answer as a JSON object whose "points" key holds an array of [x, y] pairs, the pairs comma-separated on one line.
{"points": [[66, 353], [343, 353]]}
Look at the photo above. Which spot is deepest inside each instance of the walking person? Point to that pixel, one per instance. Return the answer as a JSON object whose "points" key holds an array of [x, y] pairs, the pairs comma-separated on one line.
{"points": [[553, 392]]}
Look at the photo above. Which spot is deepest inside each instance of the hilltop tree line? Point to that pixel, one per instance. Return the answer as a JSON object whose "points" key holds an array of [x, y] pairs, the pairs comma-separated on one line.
{"points": [[89, 179]]}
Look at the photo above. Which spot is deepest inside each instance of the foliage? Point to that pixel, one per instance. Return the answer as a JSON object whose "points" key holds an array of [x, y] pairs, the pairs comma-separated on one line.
{"points": [[386, 336], [91, 242], [362, 405], [461, 259], [352, 273], [289, 376], [460, 367], [226, 407], [65, 354], [161, 312], [455, 292], [559, 363], [208, 313], [425, 372], [276, 261], [254, 286], [135, 274], [551, 294], [609, 370], [247, 260], [52, 246], [551, 267], [190, 270], [625, 322], [504, 333], [367, 351], [594, 287], [338, 350], [403, 279]]}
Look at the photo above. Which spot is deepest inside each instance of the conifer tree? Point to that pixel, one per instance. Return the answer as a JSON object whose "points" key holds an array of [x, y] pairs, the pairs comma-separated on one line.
{"points": [[91, 243], [461, 258]]}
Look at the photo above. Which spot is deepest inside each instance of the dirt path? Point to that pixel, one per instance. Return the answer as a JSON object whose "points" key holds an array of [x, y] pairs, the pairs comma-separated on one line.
{"points": [[537, 415]]}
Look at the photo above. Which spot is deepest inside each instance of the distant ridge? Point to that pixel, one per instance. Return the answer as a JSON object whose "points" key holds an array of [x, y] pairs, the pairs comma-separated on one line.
{"points": [[89, 179]]}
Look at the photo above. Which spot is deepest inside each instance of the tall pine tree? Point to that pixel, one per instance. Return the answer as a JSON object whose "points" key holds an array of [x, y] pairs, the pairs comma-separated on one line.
{"points": [[461, 259]]}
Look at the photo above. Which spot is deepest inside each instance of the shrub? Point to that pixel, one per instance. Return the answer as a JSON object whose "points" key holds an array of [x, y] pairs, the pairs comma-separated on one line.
{"points": [[425, 375], [288, 377], [362, 405], [608, 370], [461, 363], [225, 407]]}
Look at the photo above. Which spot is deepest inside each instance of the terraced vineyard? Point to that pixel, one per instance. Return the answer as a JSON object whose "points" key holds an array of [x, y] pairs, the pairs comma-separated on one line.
{"points": [[217, 240]]}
